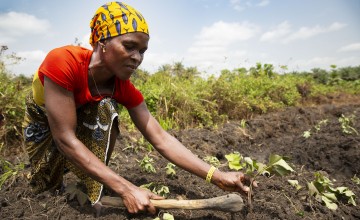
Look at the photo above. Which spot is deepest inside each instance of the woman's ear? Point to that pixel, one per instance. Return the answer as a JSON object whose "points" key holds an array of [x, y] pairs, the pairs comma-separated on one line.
{"points": [[102, 45]]}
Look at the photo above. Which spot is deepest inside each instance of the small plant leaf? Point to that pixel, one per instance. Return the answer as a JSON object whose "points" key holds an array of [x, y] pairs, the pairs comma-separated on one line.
{"points": [[329, 203], [307, 134], [279, 166], [356, 179], [262, 169], [170, 171], [295, 184], [212, 160], [250, 164], [313, 191], [344, 191], [168, 216], [234, 161], [330, 196]]}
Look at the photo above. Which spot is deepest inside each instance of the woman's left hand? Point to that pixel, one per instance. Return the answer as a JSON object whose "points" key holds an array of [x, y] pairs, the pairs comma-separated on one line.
{"points": [[233, 181]]}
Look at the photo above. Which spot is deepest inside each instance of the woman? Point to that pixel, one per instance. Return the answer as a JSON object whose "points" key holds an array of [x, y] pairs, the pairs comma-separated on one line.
{"points": [[71, 115]]}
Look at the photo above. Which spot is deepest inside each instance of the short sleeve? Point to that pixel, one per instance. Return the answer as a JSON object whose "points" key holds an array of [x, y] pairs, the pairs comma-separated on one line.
{"points": [[60, 66]]}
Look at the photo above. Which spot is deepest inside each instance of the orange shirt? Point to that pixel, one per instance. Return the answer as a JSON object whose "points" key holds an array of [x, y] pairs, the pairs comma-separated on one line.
{"points": [[68, 67]]}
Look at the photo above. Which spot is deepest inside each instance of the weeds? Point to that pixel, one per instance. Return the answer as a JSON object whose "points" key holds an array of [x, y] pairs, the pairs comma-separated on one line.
{"points": [[346, 123], [317, 128], [9, 171]]}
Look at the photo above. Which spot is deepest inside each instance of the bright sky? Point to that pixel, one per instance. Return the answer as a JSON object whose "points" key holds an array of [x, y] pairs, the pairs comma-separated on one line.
{"points": [[208, 34]]}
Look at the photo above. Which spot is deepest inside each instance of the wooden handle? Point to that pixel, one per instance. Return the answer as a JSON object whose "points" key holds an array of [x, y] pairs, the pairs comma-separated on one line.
{"points": [[226, 203]]}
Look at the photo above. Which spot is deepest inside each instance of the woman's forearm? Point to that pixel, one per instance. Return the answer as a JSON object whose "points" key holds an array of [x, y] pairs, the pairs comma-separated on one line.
{"points": [[178, 154]]}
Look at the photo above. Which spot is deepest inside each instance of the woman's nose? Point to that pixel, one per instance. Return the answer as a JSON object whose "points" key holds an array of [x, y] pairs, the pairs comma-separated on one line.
{"points": [[136, 56]]}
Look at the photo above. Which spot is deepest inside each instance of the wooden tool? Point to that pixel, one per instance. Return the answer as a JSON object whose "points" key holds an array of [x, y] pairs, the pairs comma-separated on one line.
{"points": [[227, 203]]}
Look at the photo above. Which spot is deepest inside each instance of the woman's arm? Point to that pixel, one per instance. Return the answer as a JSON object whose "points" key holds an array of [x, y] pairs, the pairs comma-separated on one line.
{"points": [[61, 112], [177, 153]]}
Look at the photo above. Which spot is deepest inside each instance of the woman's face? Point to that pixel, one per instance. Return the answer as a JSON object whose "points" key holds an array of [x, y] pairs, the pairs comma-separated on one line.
{"points": [[125, 53]]}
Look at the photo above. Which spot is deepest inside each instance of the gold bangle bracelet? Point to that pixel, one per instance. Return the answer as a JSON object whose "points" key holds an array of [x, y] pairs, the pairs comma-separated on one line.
{"points": [[210, 174]]}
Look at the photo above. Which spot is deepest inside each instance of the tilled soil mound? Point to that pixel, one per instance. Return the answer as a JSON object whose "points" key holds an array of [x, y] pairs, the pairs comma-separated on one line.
{"points": [[328, 150]]}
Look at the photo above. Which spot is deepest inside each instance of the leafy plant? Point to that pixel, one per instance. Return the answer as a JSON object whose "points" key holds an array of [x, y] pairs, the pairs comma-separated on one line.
{"points": [[295, 184], [212, 160], [142, 145], [317, 128], [321, 188], [170, 171], [346, 123], [277, 165], [165, 216], [234, 161], [146, 164], [157, 189], [243, 123], [319, 124], [307, 134], [356, 179], [145, 144]]}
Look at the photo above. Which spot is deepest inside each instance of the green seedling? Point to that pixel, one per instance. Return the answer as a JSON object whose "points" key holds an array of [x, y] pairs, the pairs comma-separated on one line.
{"points": [[243, 123], [346, 123], [170, 169], [277, 165], [212, 160], [235, 161], [318, 125], [165, 216], [146, 145], [317, 128], [321, 188], [146, 164], [356, 179], [9, 171], [307, 134], [157, 189], [295, 184]]}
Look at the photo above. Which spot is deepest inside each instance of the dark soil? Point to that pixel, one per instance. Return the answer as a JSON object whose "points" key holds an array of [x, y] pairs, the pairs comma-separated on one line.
{"points": [[329, 150]]}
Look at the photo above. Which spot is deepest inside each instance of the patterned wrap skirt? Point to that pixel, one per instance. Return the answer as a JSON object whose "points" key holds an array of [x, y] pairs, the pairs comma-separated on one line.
{"points": [[48, 165]]}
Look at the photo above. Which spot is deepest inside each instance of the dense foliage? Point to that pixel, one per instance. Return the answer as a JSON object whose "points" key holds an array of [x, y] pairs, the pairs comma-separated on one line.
{"points": [[180, 98]]}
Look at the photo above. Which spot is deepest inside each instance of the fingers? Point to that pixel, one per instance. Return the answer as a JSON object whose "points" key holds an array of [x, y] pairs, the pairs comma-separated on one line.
{"points": [[144, 204], [156, 197], [244, 181], [151, 208]]}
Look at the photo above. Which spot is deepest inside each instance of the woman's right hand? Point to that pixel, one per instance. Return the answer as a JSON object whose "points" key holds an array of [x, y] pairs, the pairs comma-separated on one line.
{"points": [[138, 200]]}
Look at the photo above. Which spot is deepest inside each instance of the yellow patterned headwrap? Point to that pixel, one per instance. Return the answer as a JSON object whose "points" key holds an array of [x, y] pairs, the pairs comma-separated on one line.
{"points": [[114, 19]]}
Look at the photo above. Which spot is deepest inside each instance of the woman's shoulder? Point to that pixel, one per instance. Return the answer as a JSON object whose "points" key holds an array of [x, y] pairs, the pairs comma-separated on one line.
{"points": [[70, 50]]}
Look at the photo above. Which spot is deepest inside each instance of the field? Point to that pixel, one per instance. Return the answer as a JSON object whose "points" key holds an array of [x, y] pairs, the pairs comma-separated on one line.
{"points": [[328, 150], [311, 119]]}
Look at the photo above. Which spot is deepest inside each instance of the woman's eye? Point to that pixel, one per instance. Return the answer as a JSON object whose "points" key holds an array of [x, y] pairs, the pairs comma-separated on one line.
{"points": [[129, 47]]}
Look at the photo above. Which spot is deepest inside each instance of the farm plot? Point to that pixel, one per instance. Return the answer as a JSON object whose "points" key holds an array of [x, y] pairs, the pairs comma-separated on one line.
{"points": [[315, 140]]}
